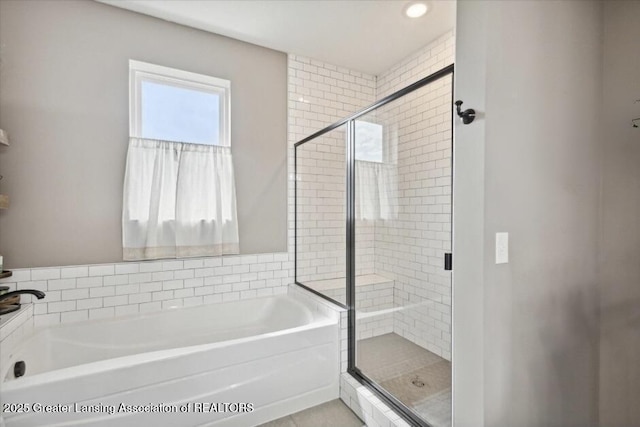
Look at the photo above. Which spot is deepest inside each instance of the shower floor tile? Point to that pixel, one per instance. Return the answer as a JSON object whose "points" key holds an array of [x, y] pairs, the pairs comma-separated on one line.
{"points": [[417, 377], [330, 414]]}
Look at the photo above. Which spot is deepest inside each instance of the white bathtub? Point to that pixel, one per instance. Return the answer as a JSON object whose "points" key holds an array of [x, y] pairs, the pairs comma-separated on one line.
{"points": [[273, 353]]}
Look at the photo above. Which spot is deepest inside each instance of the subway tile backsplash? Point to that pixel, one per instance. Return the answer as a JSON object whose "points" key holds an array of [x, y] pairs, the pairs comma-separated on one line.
{"points": [[108, 290]]}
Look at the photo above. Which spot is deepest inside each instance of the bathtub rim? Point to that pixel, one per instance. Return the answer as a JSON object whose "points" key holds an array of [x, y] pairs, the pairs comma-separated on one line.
{"points": [[318, 320]]}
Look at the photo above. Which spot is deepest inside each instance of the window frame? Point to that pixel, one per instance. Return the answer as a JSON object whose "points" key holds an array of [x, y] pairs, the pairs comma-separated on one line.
{"points": [[142, 71]]}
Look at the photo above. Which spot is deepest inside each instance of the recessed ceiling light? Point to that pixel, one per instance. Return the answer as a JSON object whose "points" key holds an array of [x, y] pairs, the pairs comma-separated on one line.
{"points": [[416, 10]]}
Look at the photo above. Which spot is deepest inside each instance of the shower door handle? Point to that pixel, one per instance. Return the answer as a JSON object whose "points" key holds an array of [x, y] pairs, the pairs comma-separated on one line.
{"points": [[448, 261]]}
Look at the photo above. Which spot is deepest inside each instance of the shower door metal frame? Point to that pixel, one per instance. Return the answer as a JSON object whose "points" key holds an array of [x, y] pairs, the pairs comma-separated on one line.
{"points": [[408, 414]]}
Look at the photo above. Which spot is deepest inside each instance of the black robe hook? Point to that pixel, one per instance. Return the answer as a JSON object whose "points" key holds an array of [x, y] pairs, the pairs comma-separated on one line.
{"points": [[467, 116]]}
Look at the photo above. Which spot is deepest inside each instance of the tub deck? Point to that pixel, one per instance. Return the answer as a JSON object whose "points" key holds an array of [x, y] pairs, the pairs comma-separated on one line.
{"points": [[254, 352]]}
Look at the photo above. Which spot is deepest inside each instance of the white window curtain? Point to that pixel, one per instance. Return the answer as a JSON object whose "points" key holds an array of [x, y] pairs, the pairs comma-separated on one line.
{"points": [[179, 201], [376, 190]]}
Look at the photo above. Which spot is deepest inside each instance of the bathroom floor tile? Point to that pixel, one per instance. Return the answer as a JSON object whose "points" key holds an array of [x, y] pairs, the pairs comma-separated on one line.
{"points": [[415, 386], [330, 414], [280, 422], [389, 356], [417, 377]]}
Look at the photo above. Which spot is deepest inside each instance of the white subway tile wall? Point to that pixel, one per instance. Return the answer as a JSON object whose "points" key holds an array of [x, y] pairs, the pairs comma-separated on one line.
{"points": [[410, 251], [109, 290], [431, 58], [366, 405], [319, 95], [374, 304], [321, 208]]}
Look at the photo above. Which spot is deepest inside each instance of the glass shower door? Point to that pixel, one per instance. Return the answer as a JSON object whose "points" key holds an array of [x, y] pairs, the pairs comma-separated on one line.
{"points": [[402, 229]]}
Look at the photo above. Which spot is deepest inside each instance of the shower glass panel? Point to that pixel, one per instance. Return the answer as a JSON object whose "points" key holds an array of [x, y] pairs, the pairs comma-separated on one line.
{"points": [[402, 216], [321, 214], [373, 225]]}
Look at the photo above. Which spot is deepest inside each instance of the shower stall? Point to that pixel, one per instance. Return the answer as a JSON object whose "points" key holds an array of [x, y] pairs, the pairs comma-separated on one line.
{"points": [[373, 205]]}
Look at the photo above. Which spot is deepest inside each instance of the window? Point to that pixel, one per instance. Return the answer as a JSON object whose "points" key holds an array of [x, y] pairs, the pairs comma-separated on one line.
{"points": [[368, 141], [179, 197], [173, 105]]}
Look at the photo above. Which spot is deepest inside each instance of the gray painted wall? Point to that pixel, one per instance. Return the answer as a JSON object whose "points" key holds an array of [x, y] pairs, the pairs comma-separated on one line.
{"points": [[620, 290], [539, 89], [468, 217], [64, 101]]}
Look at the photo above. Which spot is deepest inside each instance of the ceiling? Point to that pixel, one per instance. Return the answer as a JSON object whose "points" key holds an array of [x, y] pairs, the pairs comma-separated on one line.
{"points": [[365, 35]]}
